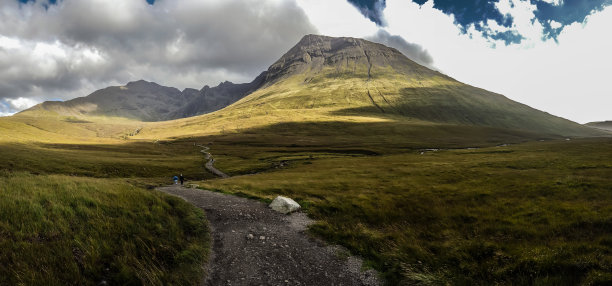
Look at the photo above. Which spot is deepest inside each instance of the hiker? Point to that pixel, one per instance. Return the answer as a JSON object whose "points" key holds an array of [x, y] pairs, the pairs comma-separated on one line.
{"points": [[182, 179], [175, 178]]}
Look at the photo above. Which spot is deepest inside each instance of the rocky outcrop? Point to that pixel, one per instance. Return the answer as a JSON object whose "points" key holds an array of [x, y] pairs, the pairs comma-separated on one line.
{"points": [[315, 53]]}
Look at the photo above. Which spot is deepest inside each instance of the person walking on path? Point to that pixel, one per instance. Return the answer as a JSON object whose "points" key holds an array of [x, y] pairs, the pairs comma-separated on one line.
{"points": [[182, 179], [175, 178]]}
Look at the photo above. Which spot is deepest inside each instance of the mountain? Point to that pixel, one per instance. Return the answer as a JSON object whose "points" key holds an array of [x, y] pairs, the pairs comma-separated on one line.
{"points": [[148, 101], [354, 80], [603, 125], [323, 79], [210, 99]]}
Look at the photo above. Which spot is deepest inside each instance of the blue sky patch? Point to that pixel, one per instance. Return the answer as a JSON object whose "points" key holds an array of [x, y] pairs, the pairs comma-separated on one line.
{"points": [[372, 9], [571, 11], [470, 13]]}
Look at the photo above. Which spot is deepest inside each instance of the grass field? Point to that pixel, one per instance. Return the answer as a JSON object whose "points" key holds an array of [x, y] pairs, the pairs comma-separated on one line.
{"points": [[66, 230], [537, 213], [529, 213], [156, 162], [78, 209]]}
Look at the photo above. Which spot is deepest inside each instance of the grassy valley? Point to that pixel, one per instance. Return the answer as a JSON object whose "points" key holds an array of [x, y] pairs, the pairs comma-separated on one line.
{"points": [[432, 181], [77, 208], [534, 213]]}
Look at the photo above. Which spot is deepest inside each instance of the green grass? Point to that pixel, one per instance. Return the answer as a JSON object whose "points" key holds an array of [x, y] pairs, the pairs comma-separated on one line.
{"points": [[538, 213], [74, 209], [155, 162], [66, 230]]}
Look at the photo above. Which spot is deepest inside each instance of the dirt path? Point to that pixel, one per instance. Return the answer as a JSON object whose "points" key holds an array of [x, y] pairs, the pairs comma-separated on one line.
{"points": [[210, 163], [254, 245]]}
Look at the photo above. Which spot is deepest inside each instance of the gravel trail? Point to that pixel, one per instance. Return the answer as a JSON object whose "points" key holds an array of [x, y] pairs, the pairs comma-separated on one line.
{"points": [[254, 245], [210, 164]]}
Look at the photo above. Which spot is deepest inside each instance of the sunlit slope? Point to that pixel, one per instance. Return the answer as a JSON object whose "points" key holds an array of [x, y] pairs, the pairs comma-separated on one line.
{"points": [[51, 127], [355, 81]]}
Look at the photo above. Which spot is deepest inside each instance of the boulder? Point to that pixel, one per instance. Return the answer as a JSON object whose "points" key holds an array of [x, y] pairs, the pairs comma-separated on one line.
{"points": [[284, 205]]}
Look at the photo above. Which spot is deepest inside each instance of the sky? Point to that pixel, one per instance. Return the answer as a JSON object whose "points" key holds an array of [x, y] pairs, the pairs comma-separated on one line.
{"points": [[553, 55]]}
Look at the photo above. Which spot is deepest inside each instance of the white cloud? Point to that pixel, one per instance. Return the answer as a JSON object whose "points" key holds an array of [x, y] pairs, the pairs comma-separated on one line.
{"points": [[337, 18], [567, 79], [554, 24], [553, 2], [21, 102]]}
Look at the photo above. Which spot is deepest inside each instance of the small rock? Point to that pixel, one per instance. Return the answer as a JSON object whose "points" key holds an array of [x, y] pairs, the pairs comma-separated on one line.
{"points": [[250, 236], [262, 237], [284, 205]]}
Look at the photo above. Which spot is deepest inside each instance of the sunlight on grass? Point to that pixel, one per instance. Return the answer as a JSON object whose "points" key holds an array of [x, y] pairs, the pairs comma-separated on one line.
{"points": [[536, 213]]}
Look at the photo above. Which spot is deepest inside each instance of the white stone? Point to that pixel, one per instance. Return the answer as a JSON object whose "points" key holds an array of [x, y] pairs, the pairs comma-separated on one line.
{"points": [[284, 205]]}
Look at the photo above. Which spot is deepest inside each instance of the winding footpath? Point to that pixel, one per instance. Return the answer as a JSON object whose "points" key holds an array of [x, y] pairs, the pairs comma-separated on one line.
{"points": [[254, 245], [210, 163]]}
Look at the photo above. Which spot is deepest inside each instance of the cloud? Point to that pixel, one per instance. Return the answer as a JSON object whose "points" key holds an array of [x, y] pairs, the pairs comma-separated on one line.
{"points": [[337, 18], [489, 21], [21, 102], [412, 51], [566, 78], [73, 47], [565, 12]]}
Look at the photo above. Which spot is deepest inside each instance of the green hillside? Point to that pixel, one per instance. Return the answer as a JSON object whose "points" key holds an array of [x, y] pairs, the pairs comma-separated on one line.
{"points": [[602, 125], [355, 81]]}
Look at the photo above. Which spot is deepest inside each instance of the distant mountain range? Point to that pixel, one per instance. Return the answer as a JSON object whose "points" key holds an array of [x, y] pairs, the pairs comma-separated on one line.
{"points": [[149, 101], [326, 76]]}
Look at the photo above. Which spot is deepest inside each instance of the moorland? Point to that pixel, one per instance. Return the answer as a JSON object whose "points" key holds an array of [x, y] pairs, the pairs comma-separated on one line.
{"points": [[432, 181]]}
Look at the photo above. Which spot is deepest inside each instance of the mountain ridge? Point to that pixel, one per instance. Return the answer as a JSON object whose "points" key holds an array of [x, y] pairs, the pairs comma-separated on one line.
{"points": [[602, 125], [330, 78], [148, 101]]}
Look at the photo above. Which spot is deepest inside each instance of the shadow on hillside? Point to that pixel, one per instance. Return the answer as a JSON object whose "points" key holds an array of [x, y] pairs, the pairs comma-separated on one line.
{"points": [[467, 106], [381, 137]]}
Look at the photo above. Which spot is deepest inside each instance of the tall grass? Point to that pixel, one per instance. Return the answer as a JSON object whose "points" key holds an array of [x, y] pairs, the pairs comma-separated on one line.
{"points": [[530, 214], [66, 230]]}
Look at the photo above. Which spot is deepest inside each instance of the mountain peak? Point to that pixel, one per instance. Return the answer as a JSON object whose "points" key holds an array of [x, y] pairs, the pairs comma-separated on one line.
{"points": [[345, 55], [141, 82]]}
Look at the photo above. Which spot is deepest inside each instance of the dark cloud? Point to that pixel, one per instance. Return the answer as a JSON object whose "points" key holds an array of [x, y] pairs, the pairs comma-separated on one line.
{"points": [[74, 47], [372, 9], [412, 51]]}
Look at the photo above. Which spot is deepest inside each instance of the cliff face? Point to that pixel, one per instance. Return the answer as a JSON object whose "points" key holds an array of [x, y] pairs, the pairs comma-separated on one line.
{"points": [[314, 53]]}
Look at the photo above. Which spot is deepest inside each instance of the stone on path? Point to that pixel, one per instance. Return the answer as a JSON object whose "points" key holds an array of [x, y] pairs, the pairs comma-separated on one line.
{"points": [[284, 205]]}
